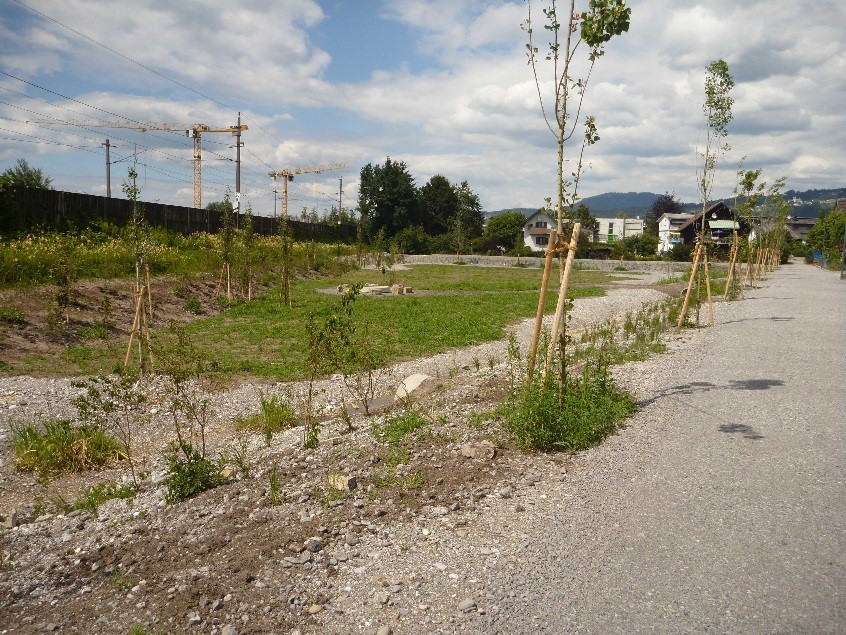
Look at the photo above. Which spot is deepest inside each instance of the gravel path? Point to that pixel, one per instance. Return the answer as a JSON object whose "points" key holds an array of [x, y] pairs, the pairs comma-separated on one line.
{"points": [[721, 507]]}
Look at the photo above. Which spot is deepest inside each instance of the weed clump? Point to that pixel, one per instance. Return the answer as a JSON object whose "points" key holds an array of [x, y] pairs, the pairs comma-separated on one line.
{"points": [[275, 416], [59, 446], [547, 416], [396, 427]]}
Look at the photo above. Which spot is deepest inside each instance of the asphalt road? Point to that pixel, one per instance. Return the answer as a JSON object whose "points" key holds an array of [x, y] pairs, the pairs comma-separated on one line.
{"points": [[723, 510]]}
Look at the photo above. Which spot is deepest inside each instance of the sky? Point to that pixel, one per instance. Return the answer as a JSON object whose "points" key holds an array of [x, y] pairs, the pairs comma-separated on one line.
{"points": [[442, 85]]}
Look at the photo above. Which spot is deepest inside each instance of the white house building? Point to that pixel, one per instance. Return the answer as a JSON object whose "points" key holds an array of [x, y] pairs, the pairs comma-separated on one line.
{"points": [[668, 231], [536, 230], [611, 230]]}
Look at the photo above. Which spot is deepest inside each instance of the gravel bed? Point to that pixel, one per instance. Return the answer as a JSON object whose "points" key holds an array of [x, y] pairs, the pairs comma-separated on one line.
{"points": [[423, 568]]}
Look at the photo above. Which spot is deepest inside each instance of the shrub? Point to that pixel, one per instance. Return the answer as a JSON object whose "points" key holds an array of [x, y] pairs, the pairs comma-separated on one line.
{"points": [[192, 305], [58, 446], [12, 315], [544, 415], [680, 252], [189, 473]]}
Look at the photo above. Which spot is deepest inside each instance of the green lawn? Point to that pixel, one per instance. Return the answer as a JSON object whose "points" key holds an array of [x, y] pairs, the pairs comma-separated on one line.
{"points": [[263, 339]]}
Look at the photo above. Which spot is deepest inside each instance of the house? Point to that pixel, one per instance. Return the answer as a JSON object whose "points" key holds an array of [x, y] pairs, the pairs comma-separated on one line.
{"points": [[610, 230], [720, 225], [537, 229], [668, 231], [799, 226]]}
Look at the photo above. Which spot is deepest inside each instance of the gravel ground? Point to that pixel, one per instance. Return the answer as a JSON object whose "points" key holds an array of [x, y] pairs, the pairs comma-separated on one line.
{"points": [[720, 508], [717, 508]]}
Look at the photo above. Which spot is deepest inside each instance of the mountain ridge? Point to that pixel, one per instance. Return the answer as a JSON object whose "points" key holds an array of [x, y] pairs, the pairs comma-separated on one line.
{"points": [[803, 203]]}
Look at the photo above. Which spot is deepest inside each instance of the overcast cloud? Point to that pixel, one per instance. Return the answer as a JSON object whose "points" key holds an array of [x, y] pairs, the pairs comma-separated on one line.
{"points": [[441, 85]]}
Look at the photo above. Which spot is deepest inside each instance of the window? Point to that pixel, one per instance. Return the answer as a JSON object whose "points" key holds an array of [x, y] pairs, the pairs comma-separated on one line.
{"points": [[541, 224], [541, 240]]}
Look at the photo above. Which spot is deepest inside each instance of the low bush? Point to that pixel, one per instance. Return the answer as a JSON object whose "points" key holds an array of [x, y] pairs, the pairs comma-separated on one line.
{"points": [[98, 494], [189, 473], [59, 446], [12, 315], [546, 416]]}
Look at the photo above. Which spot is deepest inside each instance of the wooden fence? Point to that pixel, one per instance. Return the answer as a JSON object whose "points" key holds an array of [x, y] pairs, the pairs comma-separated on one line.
{"points": [[27, 209]]}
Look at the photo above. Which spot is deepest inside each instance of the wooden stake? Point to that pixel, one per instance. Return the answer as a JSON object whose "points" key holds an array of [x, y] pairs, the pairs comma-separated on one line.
{"points": [[732, 260], [708, 286], [135, 323], [547, 269], [562, 294], [686, 303], [149, 291]]}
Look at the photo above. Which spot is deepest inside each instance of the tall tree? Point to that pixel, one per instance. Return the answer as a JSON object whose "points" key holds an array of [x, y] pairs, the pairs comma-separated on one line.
{"points": [[438, 205], [388, 198], [664, 204], [23, 175], [470, 214]]}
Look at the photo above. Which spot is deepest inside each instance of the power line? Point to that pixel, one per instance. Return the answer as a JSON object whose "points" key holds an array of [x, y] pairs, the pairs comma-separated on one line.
{"points": [[126, 57]]}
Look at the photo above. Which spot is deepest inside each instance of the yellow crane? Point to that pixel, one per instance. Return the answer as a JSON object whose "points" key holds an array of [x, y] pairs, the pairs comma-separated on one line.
{"points": [[195, 131], [288, 175]]}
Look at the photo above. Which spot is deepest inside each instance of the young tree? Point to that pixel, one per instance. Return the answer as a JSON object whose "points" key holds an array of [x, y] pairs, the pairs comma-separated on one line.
{"points": [[227, 239], [718, 115], [603, 20]]}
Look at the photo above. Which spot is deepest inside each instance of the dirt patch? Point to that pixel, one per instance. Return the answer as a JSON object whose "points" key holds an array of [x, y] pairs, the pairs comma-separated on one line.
{"points": [[101, 314]]}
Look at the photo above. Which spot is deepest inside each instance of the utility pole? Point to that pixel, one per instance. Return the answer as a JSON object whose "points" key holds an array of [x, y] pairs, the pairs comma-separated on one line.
{"points": [[340, 196], [238, 170], [108, 170]]}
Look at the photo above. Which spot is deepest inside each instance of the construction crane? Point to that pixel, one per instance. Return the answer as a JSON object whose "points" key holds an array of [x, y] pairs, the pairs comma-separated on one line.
{"points": [[194, 131], [289, 173]]}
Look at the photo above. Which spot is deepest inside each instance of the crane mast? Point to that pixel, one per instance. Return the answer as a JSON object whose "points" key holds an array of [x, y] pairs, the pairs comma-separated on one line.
{"points": [[288, 174], [191, 130]]}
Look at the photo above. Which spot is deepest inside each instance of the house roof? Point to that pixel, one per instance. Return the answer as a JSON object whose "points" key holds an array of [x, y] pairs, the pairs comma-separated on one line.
{"points": [[538, 213], [698, 216], [675, 219]]}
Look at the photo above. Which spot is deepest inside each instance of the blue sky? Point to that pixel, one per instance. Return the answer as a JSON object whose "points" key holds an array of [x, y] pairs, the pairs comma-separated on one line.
{"points": [[440, 84]]}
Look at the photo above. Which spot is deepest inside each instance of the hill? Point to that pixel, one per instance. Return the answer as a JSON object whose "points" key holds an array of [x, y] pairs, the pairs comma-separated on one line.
{"points": [[632, 203], [805, 203]]}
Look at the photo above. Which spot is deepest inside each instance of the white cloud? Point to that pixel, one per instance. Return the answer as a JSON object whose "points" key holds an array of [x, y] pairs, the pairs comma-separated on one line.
{"points": [[466, 107]]}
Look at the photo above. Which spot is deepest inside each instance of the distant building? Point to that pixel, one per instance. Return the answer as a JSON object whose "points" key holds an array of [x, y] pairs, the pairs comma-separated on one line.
{"points": [[668, 231], [720, 225], [611, 230], [537, 229], [840, 205]]}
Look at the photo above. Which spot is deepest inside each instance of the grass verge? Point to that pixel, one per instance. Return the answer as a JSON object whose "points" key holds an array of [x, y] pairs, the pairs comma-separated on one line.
{"points": [[59, 446]]}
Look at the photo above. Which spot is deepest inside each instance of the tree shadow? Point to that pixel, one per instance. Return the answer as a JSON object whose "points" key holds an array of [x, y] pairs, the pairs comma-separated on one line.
{"points": [[768, 319], [747, 431], [706, 386]]}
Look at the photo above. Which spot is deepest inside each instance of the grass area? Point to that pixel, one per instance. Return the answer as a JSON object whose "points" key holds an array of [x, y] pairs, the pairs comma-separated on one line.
{"points": [[59, 446], [265, 339], [453, 278]]}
